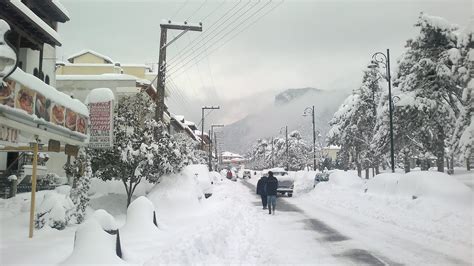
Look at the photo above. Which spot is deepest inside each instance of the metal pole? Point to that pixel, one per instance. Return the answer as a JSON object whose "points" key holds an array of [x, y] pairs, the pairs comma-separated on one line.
{"points": [[210, 151], [287, 150], [392, 153], [202, 128], [314, 142], [273, 160], [215, 146], [33, 188]]}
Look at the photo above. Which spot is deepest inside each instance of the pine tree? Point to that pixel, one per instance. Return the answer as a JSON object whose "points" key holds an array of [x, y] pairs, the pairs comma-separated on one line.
{"points": [[143, 148], [352, 126], [429, 97]]}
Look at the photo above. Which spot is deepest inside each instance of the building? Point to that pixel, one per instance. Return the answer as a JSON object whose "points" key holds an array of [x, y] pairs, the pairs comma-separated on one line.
{"points": [[32, 110], [87, 70], [229, 160], [330, 152]]}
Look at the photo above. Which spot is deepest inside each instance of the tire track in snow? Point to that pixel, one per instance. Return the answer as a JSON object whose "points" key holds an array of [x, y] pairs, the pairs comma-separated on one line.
{"points": [[331, 238]]}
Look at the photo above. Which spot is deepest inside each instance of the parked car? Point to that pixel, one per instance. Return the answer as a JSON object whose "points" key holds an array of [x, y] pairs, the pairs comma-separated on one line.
{"points": [[202, 177], [247, 174], [285, 182], [321, 177]]}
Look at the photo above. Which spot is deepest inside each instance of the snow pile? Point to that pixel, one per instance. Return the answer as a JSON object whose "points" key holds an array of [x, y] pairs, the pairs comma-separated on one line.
{"points": [[100, 187], [93, 245], [55, 209], [140, 218], [304, 181], [216, 177], [100, 95], [176, 191], [344, 179], [432, 185], [106, 221], [201, 173]]}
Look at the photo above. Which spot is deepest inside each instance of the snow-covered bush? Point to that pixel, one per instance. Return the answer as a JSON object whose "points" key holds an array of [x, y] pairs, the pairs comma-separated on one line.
{"points": [[82, 173], [56, 209], [105, 219]]}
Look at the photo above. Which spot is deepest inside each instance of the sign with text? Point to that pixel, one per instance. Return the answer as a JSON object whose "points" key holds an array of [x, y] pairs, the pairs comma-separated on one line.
{"points": [[101, 124]]}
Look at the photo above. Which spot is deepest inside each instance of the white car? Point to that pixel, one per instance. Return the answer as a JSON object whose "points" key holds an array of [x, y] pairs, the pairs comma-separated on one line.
{"points": [[285, 182]]}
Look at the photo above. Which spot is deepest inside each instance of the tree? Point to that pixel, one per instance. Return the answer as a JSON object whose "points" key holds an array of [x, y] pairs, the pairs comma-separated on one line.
{"points": [[429, 98], [352, 126], [142, 148]]}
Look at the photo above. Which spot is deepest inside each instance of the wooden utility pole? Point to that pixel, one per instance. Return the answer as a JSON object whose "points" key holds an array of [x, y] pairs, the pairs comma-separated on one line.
{"points": [[202, 122], [160, 99], [33, 188], [287, 150], [273, 160]]}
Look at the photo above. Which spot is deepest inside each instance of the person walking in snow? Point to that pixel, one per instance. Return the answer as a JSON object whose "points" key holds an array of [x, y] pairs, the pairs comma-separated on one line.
{"points": [[262, 182], [271, 189]]}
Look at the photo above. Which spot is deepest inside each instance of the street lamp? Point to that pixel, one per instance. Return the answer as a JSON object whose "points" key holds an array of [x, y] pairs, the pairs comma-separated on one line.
{"points": [[378, 59], [287, 150], [308, 111], [211, 132]]}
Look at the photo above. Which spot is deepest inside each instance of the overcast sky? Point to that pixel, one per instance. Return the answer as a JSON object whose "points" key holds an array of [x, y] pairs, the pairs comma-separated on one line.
{"points": [[323, 44]]}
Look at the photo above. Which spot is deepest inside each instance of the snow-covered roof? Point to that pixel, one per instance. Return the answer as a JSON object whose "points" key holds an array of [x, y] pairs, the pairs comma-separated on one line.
{"points": [[230, 154], [49, 92], [37, 20], [106, 58], [134, 65], [60, 6], [189, 123], [108, 76]]}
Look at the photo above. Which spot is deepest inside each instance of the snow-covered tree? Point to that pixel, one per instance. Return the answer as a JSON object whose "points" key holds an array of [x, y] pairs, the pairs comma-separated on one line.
{"points": [[429, 97], [192, 154], [143, 148], [462, 57], [352, 126], [261, 154]]}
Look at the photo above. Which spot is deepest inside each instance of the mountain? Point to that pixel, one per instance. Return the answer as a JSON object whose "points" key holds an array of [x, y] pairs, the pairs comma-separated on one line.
{"points": [[286, 110]]}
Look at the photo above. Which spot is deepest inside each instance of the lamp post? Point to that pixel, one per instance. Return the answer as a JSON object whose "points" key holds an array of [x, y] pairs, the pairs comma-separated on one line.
{"points": [[308, 111], [202, 122], [211, 133], [380, 58], [287, 149]]}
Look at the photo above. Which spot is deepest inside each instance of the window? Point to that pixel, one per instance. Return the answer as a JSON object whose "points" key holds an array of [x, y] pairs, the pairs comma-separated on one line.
{"points": [[35, 72], [46, 79]]}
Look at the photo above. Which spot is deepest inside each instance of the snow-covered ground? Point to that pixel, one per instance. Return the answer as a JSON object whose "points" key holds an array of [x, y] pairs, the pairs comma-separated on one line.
{"points": [[338, 222]]}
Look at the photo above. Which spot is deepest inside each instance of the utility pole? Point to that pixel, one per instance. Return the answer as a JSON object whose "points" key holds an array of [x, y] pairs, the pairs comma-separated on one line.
{"points": [[306, 111], [273, 161], [160, 97], [215, 146], [287, 150], [211, 133], [202, 122]]}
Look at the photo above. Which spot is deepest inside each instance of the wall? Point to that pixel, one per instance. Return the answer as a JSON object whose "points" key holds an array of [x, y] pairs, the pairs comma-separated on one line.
{"points": [[88, 59], [87, 69], [137, 71]]}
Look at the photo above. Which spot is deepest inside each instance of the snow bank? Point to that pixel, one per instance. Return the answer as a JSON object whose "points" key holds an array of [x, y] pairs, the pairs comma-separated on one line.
{"points": [[176, 191], [304, 181], [201, 173], [345, 179], [424, 184], [106, 221], [101, 187], [93, 245], [140, 218]]}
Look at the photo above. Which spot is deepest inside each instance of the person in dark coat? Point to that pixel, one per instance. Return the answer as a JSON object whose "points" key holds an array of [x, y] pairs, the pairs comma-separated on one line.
{"points": [[271, 189], [262, 182]]}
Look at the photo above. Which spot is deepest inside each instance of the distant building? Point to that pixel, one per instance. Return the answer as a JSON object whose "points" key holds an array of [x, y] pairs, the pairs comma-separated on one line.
{"points": [[229, 159], [330, 152], [88, 69]]}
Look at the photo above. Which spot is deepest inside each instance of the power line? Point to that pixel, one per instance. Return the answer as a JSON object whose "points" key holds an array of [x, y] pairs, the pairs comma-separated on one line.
{"points": [[221, 30], [176, 70], [195, 11], [207, 33], [212, 12], [179, 9]]}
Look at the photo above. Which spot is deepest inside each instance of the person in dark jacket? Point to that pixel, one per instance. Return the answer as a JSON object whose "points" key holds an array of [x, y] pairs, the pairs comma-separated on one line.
{"points": [[262, 182], [271, 189]]}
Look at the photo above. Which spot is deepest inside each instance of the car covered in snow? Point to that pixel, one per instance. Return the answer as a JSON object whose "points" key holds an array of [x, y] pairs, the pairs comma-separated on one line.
{"points": [[247, 174], [321, 177], [285, 181], [202, 177]]}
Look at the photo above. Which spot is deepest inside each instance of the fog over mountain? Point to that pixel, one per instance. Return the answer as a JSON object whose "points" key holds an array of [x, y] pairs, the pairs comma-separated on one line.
{"points": [[287, 108]]}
